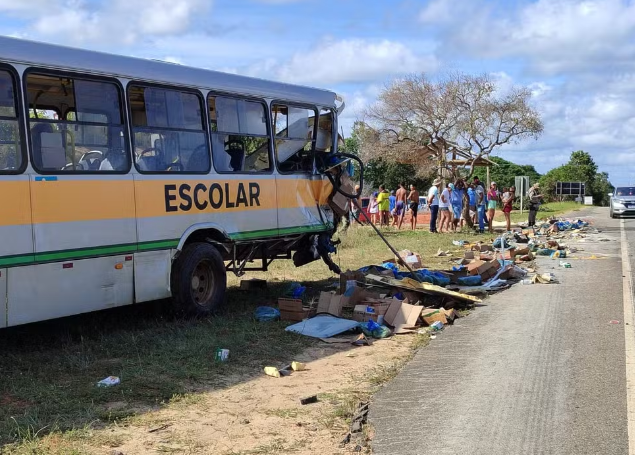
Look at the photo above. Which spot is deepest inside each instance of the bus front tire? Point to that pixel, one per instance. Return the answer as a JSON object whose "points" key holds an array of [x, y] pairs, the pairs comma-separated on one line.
{"points": [[199, 279]]}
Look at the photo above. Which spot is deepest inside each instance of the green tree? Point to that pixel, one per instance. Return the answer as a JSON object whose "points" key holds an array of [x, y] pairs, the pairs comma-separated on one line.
{"points": [[504, 174], [381, 172], [580, 168]]}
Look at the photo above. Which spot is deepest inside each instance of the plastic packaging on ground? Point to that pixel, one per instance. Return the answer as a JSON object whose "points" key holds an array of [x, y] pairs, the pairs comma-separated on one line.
{"points": [[109, 381], [266, 313]]}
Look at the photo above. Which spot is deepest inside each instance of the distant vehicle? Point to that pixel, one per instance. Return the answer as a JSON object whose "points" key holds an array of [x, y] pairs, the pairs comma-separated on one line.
{"points": [[622, 201]]}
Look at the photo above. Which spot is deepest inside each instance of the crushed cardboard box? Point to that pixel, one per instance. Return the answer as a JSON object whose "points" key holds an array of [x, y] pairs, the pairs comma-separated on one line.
{"points": [[432, 315], [402, 316], [331, 303]]}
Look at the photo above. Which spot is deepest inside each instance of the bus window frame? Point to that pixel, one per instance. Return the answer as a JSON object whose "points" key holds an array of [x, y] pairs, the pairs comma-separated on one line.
{"points": [[19, 118], [205, 130], [307, 106], [88, 77], [270, 143]]}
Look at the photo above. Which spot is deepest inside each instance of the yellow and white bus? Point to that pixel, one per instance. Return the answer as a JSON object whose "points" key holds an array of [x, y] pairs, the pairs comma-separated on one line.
{"points": [[126, 180]]}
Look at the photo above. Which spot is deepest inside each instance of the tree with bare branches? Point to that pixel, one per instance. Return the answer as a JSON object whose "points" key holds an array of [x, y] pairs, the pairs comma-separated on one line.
{"points": [[422, 121]]}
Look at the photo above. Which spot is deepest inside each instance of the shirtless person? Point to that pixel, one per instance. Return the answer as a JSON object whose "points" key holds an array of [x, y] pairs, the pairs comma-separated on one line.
{"points": [[413, 200], [401, 204]]}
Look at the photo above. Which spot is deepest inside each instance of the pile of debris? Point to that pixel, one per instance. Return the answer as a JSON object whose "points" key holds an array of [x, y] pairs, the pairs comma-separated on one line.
{"points": [[400, 295]]}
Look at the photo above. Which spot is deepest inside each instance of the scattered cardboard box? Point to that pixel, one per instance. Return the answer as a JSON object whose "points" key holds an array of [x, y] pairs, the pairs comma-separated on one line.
{"points": [[402, 316], [359, 295], [349, 275], [432, 315], [469, 255], [412, 259], [292, 310], [331, 303], [482, 247]]}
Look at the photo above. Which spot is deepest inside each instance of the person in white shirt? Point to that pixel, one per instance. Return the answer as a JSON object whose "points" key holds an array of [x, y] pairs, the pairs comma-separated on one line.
{"points": [[433, 203], [444, 209]]}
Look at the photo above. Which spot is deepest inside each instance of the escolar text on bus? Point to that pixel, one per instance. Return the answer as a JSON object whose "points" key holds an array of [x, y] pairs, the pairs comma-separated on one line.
{"points": [[184, 197]]}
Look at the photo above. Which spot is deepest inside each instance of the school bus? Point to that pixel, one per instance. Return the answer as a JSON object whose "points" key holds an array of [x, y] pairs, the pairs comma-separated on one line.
{"points": [[126, 180]]}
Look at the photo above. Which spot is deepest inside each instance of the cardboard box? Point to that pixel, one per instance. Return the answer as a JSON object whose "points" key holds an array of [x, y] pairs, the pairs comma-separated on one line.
{"points": [[482, 247], [402, 316], [292, 310], [412, 259], [361, 294], [350, 276], [522, 251], [472, 267], [331, 303], [361, 315], [469, 255], [432, 315]]}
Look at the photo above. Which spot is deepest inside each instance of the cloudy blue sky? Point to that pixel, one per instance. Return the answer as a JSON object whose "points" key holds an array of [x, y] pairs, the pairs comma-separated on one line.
{"points": [[578, 56]]}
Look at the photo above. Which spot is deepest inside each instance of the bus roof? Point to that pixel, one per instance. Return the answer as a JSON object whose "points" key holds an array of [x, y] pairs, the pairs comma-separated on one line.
{"points": [[26, 52]]}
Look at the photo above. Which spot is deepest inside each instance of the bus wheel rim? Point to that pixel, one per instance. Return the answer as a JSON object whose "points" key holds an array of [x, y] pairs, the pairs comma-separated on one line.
{"points": [[202, 282]]}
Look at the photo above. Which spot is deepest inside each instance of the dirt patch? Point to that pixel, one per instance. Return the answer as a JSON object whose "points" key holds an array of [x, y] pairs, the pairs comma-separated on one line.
{"points": [[264, 415]]}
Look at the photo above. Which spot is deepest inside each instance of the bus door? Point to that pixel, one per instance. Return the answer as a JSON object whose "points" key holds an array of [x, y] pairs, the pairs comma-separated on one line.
{"points": [[301, 191], [82, 201], [16, 235]]}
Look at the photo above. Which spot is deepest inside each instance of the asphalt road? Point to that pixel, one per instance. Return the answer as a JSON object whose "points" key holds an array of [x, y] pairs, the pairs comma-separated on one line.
{"points": [[537, 370]]}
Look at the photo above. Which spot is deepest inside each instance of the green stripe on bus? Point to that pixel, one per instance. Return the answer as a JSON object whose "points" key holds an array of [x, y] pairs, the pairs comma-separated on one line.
{"points": [[110, 250], [276, 232]]}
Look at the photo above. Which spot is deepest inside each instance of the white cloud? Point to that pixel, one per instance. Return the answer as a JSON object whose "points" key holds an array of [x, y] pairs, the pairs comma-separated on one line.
{"points": [[345, 61], [554, 36], [111, 22]]}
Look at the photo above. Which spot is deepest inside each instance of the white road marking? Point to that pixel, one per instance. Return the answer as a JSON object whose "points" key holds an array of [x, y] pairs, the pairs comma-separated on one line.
{"points": [[629, 339]]}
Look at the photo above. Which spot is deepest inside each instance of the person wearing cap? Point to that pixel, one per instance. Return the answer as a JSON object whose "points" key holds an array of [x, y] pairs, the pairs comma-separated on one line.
{"points": [[493, 196], [444, 209], [534, 203], [433, 203]]}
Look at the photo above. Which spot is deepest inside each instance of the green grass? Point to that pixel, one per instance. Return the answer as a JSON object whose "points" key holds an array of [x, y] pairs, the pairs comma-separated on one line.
{"points": [[49, 402]]}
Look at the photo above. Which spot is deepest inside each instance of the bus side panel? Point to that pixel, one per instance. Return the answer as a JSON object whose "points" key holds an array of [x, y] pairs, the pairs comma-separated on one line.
{"points": [[47, 291], [3, 298], [298, 199], [152, 275], [16, 234], [74, 212], [166, 206]]}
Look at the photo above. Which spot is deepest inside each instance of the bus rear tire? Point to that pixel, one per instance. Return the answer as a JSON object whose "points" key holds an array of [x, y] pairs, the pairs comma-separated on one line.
{"points": [[199, 279]]}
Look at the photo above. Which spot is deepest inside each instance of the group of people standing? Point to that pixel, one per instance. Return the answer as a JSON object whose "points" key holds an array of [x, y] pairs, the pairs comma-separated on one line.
{"points": [[447, 205], [384, 205]]}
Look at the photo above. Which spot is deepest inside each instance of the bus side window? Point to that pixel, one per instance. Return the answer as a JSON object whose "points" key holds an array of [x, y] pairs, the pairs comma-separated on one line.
{"points": [[240, 138], [10, 147], [168, 130], [294, 137], [76, 125], [324, 141]]}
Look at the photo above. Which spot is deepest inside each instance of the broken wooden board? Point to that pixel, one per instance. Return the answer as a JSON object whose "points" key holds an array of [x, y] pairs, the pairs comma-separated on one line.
{"points": [[426, 288]]}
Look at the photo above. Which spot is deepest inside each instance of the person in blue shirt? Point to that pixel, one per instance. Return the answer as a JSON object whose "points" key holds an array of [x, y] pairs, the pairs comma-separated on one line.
{"points": [[393, 201], [456, 199], [471, 197]]}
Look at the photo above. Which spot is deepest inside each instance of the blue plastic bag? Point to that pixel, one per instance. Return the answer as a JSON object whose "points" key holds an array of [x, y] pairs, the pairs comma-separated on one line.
{"points": [[266, 313], [295, 290], [470, 280]]}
